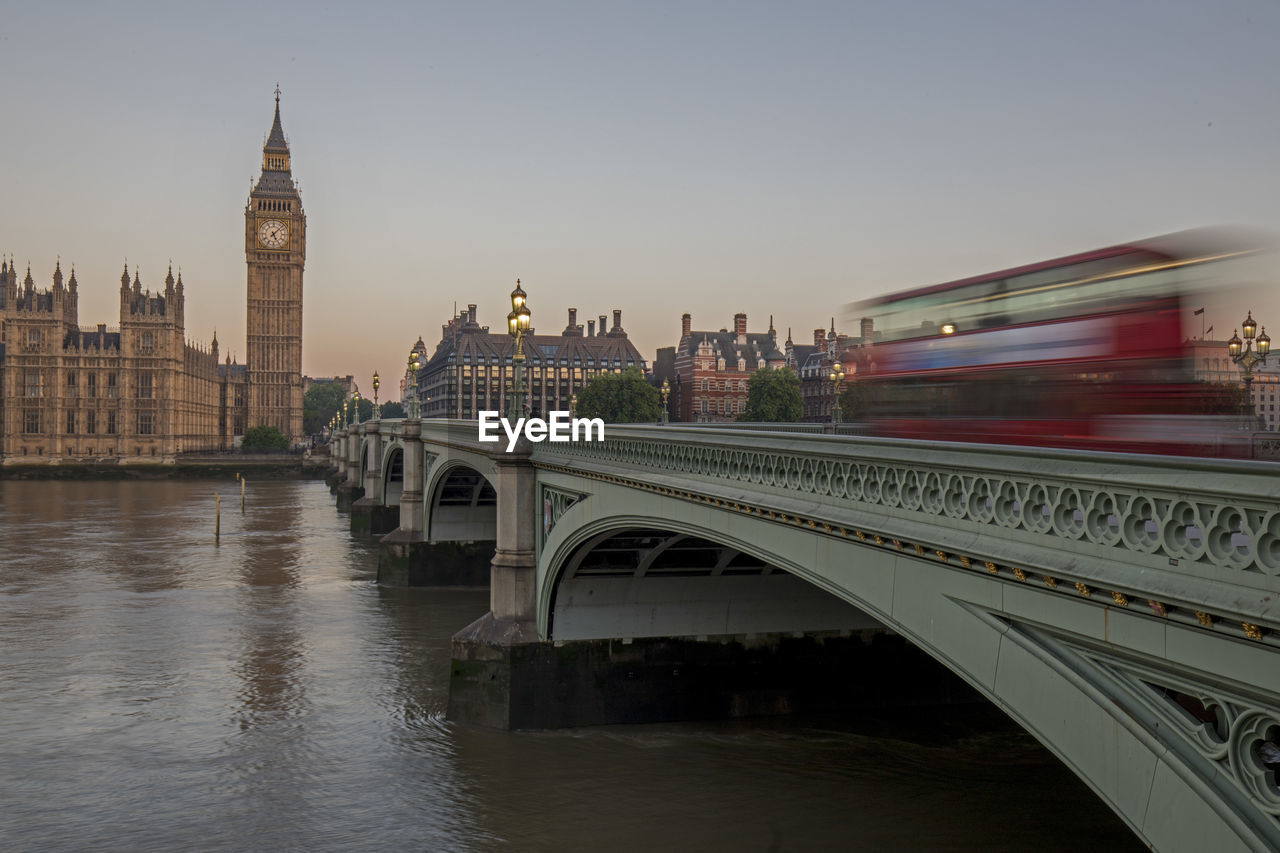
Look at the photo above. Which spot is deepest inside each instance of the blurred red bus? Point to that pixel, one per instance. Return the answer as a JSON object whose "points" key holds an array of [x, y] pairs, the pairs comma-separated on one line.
{"points": [[1086, 351]]}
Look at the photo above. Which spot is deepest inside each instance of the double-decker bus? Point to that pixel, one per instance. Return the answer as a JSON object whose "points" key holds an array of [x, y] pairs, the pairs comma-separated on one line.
{"points": [[1086, 351]]}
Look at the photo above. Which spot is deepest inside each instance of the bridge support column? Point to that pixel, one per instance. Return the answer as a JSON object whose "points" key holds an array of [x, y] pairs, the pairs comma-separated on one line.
{"points": [[337, 467], [401, 552], [490, 655], [350, 489], [368, 514]]}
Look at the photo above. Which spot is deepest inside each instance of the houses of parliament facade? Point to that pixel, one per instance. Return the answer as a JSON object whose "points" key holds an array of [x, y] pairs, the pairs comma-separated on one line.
{"points": [[142, 392]]}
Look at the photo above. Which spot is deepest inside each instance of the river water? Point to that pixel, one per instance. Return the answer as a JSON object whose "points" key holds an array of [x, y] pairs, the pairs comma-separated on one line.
{"points": [[160, 690]]}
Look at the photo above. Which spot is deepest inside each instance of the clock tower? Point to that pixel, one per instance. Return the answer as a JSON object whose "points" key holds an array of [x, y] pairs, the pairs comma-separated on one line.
{"points": [[275, 249]]}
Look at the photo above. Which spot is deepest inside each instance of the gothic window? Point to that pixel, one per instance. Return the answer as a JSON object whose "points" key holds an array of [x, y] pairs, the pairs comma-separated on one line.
{"points": [[144, 386], [91, 385], [33, 338], [31, 421], [705, 385], [71, 383], [91, 422], [111, 386], [148, 341], [146, 423], [71, 421], [34, 385]]}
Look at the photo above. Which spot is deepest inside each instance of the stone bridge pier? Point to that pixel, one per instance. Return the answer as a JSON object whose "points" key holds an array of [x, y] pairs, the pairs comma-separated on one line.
{"points": [[371, 514], [350, 489]]}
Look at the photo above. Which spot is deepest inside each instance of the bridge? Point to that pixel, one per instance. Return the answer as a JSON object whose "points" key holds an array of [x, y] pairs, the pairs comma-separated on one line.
{"points": [[1122, 608]]}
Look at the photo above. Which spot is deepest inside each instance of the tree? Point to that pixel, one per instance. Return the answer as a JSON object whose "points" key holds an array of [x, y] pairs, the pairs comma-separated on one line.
{"points": [[620, 398], [319, 404], [264, 438], [392, 410], [773, 396]]}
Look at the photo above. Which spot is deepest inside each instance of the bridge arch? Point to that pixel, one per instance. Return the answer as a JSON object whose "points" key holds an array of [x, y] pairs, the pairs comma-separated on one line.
{"points": [[1094, 682], [624, 577], [461, 502], [392, 473]]}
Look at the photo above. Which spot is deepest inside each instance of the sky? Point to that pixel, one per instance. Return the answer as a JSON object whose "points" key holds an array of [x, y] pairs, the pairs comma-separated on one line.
{"points": [[772, 158]]}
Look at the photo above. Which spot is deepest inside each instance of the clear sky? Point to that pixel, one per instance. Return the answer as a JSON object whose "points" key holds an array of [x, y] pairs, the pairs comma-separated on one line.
{"points": [[658, 157]]}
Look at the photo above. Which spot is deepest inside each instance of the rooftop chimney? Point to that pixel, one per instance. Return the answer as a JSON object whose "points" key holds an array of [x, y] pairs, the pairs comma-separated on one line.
{"points": [[471, 313], [573, 328], [868, 327], [686, 324], [617, 322], [820, 339], [591, 328], [603, 322]]}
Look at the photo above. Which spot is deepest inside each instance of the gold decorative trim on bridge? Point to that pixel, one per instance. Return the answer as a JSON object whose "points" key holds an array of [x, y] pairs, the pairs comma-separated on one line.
{"points": [[1119, 598]]}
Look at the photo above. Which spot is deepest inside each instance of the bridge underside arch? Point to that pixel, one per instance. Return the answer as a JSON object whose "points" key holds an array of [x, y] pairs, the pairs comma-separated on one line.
{"points": [[644, 582], [1168, 723], [463, 506], [392, 475]]}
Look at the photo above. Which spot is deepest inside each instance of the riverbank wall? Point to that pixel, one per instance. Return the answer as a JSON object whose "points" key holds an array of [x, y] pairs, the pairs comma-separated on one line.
{"points": [[251, 466]]}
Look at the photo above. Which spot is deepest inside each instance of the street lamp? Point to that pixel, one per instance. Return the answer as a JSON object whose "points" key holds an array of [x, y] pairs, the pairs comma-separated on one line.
{"points": [[345, 419], [518, 322], [355, 408], [573, 405], [666, 392], [1242, 353], [836, 377], [414, 364], [377, 411]]}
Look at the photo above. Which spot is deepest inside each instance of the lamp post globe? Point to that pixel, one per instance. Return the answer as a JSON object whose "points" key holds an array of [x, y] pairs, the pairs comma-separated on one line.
{"points": [[377, 412], [836, 376], [666, 392], [1243, 353], [519, 322]]}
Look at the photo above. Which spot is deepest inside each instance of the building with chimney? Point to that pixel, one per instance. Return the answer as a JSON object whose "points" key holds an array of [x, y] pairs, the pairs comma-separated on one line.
{"points": [[472, 369], [712, 369]]}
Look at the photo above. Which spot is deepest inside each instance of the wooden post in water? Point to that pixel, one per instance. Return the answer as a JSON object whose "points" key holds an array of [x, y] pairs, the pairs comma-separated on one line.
{"points": [[217, 516], [241, 494]]}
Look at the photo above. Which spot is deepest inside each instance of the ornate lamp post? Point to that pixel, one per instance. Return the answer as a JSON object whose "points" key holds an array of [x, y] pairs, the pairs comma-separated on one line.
{"points": [[518, 322], [836, 377], [345, 419], [573, 405], [1242, 354], [355, 408], [414, 364], [666, 392], [377, 411]]}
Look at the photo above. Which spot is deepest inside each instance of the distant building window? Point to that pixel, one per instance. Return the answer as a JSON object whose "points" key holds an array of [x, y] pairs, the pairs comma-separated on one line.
{"points": [[144, 386], [705, 386], [91, 385], [111, 423], [148, 341], [111, 386], [31, 421], [71, 421], [33, 338], [91, 422], [34, 385], [146, 423], [71, 383]]}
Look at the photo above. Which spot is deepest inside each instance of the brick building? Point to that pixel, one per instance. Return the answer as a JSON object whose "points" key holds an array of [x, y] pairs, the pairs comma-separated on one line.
{"points": [[712, 369]]}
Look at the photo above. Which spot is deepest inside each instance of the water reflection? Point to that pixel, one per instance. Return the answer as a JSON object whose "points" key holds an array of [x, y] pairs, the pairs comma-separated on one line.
{"points": [[162, 691]]}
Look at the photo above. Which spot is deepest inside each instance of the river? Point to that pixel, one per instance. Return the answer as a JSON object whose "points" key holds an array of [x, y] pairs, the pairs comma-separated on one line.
{"points": [[161, 690]]}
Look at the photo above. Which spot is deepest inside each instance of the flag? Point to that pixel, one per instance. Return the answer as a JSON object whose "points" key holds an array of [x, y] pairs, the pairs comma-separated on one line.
{"points": [[1197, 312], [1208, 330]]}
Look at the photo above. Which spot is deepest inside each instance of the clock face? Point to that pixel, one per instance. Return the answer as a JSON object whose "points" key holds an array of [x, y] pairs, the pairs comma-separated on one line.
{"points": [[273, 233]]}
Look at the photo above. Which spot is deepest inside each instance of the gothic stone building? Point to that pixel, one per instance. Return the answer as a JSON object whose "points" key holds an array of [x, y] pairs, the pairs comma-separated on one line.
{"points": [[141, 392]]}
